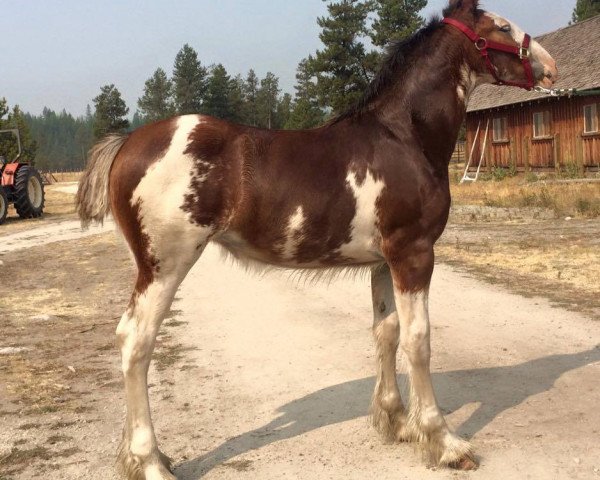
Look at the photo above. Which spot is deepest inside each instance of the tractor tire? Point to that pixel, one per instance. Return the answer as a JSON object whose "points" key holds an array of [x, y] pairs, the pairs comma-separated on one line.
{"points": [[3, 205], [29, 192]]}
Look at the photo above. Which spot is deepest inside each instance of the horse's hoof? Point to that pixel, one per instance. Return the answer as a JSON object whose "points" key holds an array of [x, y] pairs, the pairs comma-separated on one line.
{"points": [[465, 463]]}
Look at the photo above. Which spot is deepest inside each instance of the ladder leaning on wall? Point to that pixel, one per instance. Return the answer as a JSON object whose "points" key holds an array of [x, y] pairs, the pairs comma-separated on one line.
{"points": [[466, 177]]}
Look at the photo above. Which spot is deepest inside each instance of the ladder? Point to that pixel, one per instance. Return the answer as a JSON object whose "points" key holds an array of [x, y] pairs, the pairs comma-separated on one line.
{"points": [[466, 177]]}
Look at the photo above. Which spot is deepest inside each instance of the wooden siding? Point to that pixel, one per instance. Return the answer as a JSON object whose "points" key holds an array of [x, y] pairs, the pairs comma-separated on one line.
{"points": [[565, 144]]}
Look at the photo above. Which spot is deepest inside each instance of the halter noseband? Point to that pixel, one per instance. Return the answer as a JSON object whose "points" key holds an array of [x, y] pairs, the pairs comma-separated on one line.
{"points": [[483, 45]]}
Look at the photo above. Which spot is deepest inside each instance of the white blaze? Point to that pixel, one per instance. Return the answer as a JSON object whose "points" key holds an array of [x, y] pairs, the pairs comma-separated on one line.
{"points": [[538, 53]]}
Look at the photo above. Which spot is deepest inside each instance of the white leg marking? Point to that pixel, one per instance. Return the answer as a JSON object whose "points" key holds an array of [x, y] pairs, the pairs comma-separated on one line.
{"points": [[425, 420], [136, 333], [387, 410], [363, 229]]}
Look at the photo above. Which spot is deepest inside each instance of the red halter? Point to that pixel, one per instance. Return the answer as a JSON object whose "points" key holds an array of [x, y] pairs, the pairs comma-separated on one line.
{"points": [[483, 45]]}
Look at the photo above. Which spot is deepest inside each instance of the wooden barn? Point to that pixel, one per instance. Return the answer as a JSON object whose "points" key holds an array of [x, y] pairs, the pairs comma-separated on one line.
{"points": [[532, 131]]}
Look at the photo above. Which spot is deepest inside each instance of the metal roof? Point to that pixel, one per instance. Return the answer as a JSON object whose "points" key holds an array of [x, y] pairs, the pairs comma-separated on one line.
{"points": [[575, 48]]}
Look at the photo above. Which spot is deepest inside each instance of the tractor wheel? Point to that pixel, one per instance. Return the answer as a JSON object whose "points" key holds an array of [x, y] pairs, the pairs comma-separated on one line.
{"points": [[3, 205], [29, 192]]}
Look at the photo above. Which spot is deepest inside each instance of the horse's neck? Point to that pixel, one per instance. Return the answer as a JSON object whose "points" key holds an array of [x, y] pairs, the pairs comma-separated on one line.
{"points": [[431, 97]]}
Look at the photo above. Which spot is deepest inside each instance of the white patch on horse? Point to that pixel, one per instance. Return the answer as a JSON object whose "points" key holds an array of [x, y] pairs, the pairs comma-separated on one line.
{"points": [[293, 232], [363, 228], [162, 192]]}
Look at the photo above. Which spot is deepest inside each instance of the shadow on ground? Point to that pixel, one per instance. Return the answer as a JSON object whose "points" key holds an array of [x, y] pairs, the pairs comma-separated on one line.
{"points": [[496, 389]]}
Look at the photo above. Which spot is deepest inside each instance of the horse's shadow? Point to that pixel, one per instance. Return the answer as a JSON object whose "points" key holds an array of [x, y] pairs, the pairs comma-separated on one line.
{"points": [[496, 389]]}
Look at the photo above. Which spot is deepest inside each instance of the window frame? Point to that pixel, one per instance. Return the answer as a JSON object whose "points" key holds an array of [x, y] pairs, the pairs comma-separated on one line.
{"points": [[503, 121], [546, 124], [596, 121]]}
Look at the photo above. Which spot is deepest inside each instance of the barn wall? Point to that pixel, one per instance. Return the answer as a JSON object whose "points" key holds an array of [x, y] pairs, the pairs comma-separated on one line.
{"points": [[566, 143]]}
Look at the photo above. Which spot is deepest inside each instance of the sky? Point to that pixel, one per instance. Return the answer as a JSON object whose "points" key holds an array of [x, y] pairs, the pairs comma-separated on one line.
{"points": [[58, 53]]}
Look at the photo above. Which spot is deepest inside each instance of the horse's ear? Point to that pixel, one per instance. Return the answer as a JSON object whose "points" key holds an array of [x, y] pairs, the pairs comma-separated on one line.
{"points": [[464, 5]]}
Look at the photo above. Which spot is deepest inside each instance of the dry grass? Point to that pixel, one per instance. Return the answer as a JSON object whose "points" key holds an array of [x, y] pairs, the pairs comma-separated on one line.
{"points": [[552, 258], [58, 203], [564, 199], [58, 206], [67, 176]]}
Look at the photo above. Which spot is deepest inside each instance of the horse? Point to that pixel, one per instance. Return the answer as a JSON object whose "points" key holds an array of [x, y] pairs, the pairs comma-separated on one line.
{"points": [[367, 190]]}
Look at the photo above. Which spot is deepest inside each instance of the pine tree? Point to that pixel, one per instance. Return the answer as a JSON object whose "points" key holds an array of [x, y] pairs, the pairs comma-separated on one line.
{"points": [[157, 103], [306, 112], [266, 100], [396, 20], [236, 99], [110, 112], [3, 107], [217, 94], [138, 120], [585, 9], [343, 68], [62, 141], [251, 94], [189, 81], [9, 148], [9, 144], [89, 115], [284, 110]]}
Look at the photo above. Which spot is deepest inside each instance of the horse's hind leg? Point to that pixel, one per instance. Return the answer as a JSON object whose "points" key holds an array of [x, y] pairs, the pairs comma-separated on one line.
{"points": [[387, 411], [164, 256], [139, 457]]}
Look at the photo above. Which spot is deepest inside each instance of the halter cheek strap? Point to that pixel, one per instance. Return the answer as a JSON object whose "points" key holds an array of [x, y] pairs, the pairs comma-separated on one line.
{"points": [[484, 45]]}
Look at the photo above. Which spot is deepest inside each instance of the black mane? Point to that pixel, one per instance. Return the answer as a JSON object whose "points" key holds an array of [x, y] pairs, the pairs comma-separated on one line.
{"points": [[396, 56]]}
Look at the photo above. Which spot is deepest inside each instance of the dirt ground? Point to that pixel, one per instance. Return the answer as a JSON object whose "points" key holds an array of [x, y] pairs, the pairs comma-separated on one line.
{"points": [[263, 377]]}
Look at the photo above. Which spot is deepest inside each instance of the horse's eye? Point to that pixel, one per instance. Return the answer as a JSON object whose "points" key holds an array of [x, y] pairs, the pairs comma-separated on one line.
{"points": [[505, 28]]}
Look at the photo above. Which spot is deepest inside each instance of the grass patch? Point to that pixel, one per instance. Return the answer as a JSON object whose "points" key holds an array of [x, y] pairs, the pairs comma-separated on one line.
{"points": [[564, 199]]}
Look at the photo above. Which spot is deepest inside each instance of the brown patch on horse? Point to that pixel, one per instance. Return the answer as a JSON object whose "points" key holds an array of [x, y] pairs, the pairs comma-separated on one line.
{"points": [[215, 183], [144, 147], [276, 181]]}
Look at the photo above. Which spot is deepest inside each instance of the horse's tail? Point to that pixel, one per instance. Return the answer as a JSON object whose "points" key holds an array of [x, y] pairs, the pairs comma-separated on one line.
{"points": [[93, 201]]}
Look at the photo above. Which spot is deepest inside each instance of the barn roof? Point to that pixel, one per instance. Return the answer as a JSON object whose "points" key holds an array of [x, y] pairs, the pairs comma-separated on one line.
{"points": [[576, 50]]}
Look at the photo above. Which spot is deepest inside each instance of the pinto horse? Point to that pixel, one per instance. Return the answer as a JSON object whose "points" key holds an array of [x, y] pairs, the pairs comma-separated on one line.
{"points": [[368, 189]]}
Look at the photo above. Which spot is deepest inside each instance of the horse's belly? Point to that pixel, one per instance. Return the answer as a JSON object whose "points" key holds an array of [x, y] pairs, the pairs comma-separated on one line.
{"points": [[289, 254]]}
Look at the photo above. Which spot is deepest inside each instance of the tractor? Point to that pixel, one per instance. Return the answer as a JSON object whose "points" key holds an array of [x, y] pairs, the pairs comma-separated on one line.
{"points": [[21, 184]]}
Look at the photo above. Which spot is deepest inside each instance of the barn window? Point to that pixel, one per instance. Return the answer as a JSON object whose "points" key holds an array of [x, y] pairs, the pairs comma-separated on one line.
{"points": [[541, 124], [500, 130], [590, 113]]}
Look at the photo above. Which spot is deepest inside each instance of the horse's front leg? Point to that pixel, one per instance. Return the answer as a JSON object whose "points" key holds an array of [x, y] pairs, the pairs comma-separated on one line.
{"points": [[139, 457], [411, 269], [387, 410]]}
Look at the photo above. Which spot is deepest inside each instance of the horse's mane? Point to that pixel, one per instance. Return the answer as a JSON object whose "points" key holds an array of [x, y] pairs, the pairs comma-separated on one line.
{"points": [[396, 57]]}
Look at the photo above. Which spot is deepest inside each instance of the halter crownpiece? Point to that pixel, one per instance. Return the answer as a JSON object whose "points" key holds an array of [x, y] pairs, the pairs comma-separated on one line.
{"points": [[484, 45]]}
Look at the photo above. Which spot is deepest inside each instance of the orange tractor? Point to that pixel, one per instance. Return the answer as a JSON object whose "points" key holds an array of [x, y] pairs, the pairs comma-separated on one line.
{"points": [[21, 185]]}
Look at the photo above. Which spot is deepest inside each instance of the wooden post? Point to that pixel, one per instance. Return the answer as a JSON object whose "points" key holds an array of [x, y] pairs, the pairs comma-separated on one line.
{"points": [[579, 153], [489, 158], [526, 150], [512, 154], [557, 152]]}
